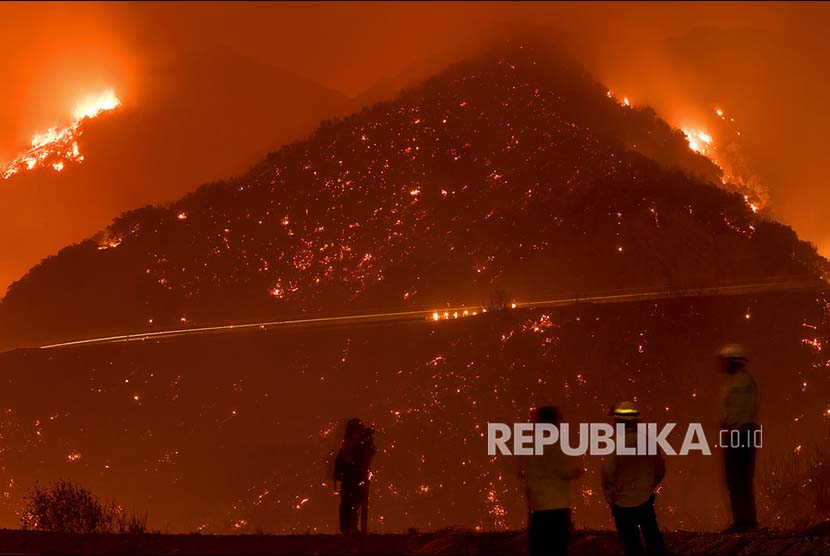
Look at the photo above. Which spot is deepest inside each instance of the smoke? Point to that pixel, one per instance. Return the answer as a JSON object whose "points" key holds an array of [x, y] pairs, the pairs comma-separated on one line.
{"points": [[51, 57]]}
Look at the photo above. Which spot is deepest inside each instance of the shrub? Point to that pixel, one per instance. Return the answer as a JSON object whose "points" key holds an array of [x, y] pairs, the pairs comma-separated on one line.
{"points": [[69, 508]]}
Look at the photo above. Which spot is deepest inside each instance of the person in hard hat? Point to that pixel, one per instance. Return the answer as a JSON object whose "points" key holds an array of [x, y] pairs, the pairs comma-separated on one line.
{"points": [[629, 482], [740, 413], [366, 452], [548, 478]]}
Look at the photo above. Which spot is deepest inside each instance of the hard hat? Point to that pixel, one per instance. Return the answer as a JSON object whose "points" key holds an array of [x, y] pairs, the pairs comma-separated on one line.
{"points": [[626, 411], [733, 351]]}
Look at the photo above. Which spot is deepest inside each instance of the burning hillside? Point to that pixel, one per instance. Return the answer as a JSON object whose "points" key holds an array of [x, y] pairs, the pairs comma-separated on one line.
{"points": [[506, 178], [58, 146], [726, 154], [511, 172]]}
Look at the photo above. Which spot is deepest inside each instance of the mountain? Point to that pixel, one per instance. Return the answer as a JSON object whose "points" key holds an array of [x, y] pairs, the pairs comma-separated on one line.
{"points": [[513, 171], [512, 174], [211, 114], [414, 74]]}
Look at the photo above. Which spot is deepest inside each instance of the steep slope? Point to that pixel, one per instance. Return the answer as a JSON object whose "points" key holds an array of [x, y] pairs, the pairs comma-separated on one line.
{"points": [[794, 171], [514, 171]]}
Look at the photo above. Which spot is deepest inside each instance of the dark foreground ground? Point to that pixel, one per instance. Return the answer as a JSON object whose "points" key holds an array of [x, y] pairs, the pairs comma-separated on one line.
{"points": [[815, 540]]}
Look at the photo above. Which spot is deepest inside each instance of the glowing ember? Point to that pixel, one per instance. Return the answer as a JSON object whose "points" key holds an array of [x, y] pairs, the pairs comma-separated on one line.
{"points": [[110, 243], [58, 146], [625, 101], [455, 314]]}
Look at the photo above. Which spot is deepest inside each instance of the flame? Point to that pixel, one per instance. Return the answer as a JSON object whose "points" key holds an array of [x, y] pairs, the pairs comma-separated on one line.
{"points": [[736, 175], [625, 101], [454, 313], [58, 146], [727, 156], [93, 105], [699, 141]]}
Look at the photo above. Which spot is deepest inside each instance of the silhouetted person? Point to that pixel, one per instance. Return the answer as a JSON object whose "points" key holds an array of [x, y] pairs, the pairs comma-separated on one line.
{"points": [[548, 479], [351, 469], [738, 426], [629, 482], [365, 454]]}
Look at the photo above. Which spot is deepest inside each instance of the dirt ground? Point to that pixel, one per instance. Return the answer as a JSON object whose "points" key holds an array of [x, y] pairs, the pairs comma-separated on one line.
{"points": [[809, 541]]}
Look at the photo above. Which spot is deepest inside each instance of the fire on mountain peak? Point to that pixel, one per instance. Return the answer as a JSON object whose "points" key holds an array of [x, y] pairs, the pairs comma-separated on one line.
{"points": [[58, 146]]}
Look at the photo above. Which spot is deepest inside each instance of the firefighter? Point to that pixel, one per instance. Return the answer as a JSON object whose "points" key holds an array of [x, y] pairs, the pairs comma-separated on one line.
{"points": [[365, 454], [351, 469], [629, 482], [548, 478], [739, 424]]}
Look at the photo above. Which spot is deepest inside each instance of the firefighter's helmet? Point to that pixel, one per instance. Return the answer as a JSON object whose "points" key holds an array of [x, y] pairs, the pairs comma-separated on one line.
{"points": [[626, 411], [735, 352]]}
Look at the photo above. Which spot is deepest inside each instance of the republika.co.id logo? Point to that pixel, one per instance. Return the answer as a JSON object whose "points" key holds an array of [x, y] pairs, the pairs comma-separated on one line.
{"points": [[602, 439]]}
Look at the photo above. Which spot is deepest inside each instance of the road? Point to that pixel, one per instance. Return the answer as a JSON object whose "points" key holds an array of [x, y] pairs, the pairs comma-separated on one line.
{"points": [[466, 311]]}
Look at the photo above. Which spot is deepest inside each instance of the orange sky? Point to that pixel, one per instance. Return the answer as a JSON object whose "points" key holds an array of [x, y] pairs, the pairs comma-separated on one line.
{"points": [[765, 63]]}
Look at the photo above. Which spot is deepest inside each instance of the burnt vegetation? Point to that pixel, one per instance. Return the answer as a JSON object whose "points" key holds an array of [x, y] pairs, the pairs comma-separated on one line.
{"points": [[511, 171], [231, 433], [66, 507], [509, 177]]}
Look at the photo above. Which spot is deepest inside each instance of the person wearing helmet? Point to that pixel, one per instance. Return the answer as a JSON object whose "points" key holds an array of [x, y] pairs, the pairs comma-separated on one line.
{"points": [[738, 423], [351, 469], [629, 482], [548, 478]]}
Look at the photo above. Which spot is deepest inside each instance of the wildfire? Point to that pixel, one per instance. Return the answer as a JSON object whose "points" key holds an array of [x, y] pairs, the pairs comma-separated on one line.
{"points": [[699, 141], [624, 101], [58, 146], [736, 175], [93, 105]]}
